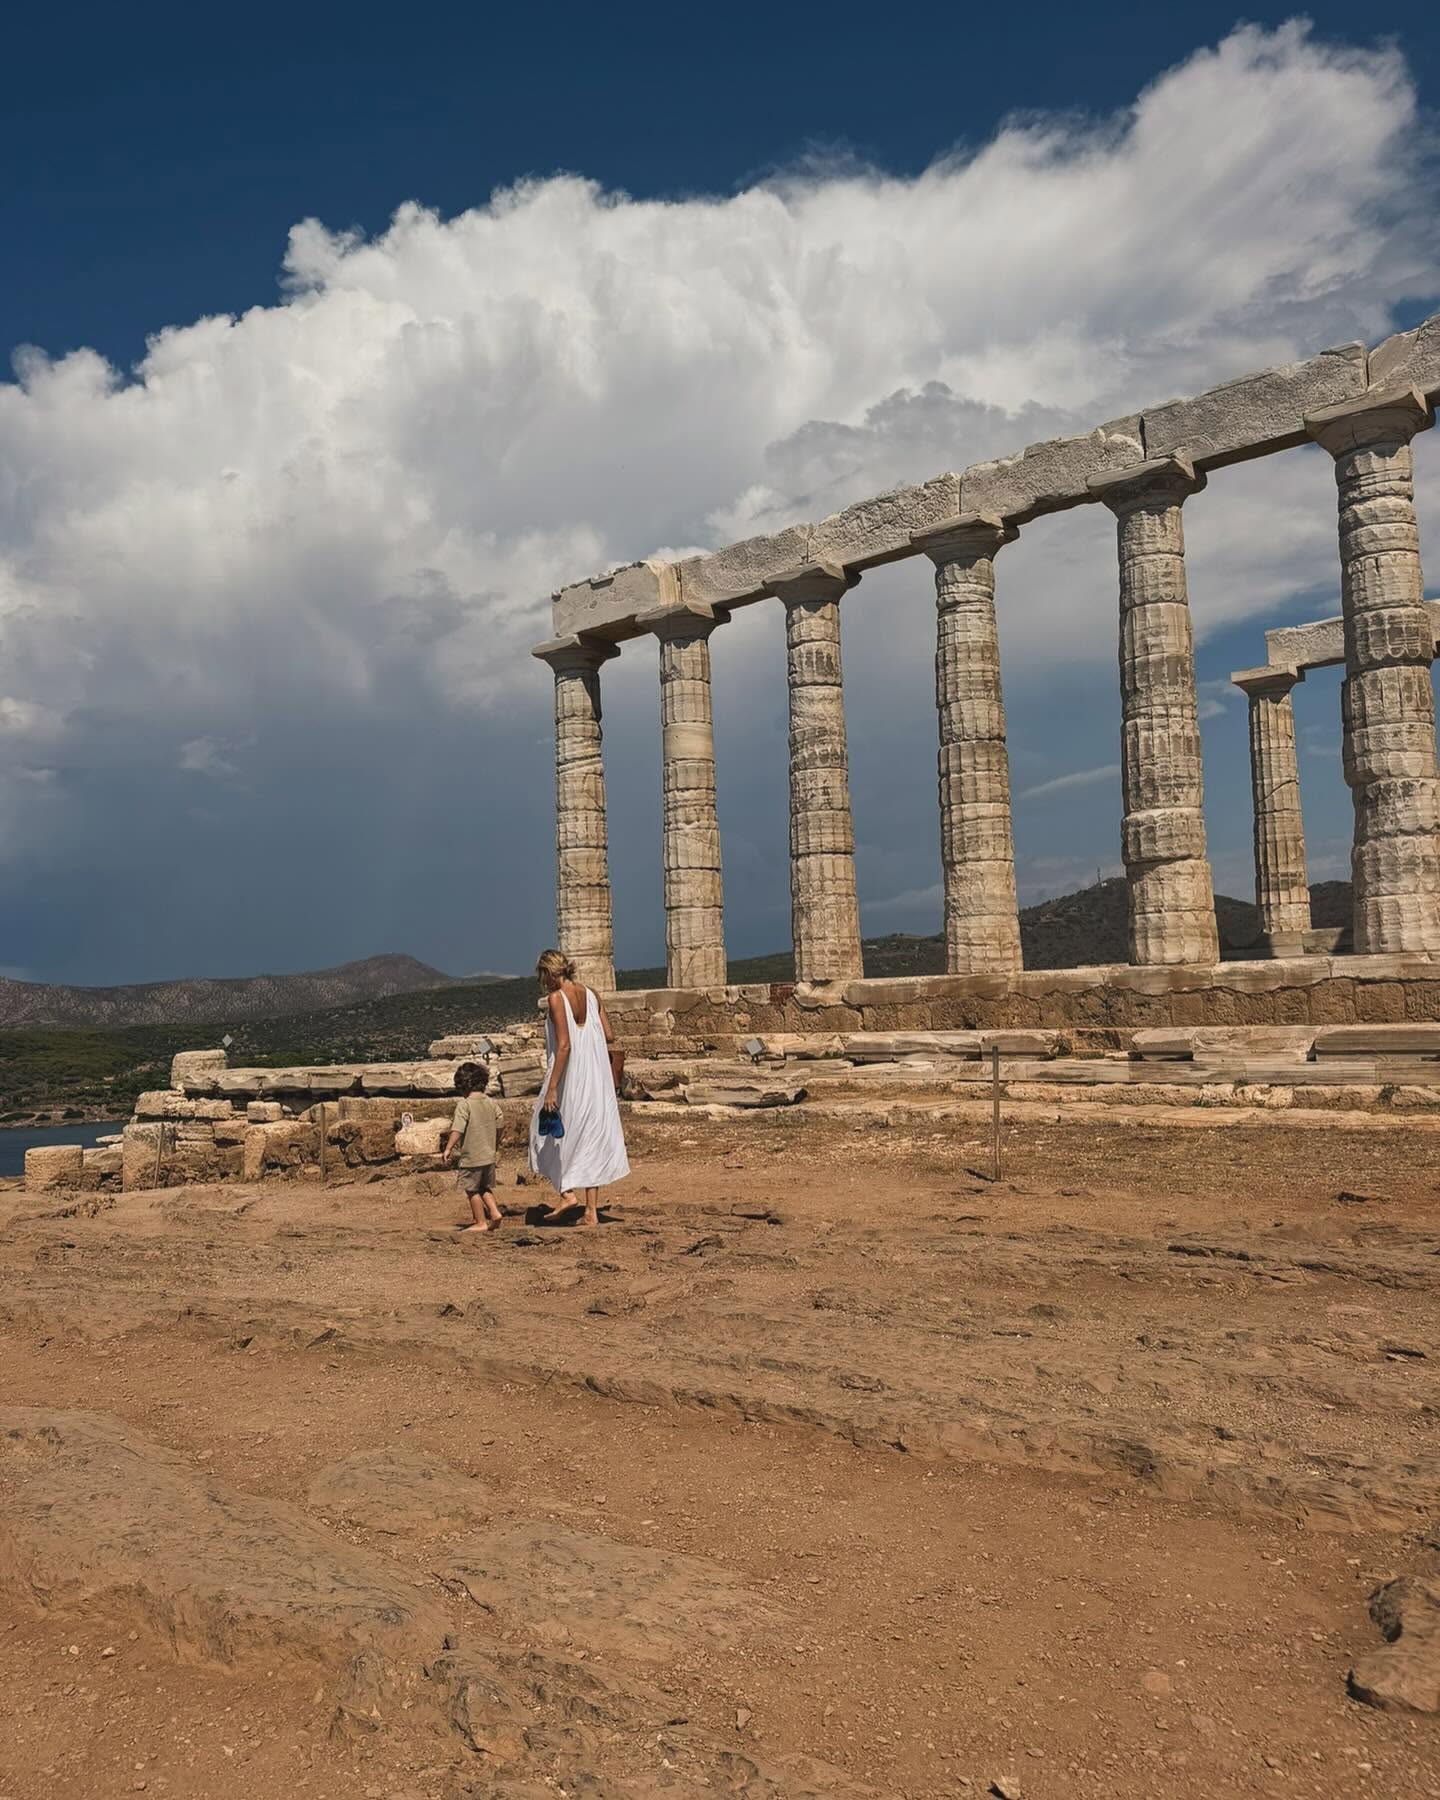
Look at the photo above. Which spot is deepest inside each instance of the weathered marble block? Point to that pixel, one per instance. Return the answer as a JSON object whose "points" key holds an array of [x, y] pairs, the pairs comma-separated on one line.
{"points": [[607, 604], [741, 572], [1256, 414], [51, 1168], [1052, 476]]}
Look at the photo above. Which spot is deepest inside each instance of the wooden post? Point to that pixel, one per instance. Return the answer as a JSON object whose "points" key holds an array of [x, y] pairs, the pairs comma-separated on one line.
{"points": [[995, 1097], [322, 1141]]}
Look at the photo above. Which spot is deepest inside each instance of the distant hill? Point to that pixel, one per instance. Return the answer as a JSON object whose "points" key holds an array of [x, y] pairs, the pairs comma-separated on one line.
{"points": [[26, 1003]]}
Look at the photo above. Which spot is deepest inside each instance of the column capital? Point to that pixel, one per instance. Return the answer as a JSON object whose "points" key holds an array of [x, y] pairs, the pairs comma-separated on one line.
{"points": [[971, 535], [681, 624], [1273, 679], [580, 652], [1169, 479], [1388, 416], [811, 581]]}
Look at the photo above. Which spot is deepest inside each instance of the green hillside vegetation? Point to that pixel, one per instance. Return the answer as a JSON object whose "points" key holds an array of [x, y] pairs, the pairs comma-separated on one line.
{"points": [[96, 1074]]}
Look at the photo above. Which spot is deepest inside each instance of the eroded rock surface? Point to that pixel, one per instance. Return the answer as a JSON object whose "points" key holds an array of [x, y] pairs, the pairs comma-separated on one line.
{"points": [[1405, 1675], [392, 1490], [93, 1512], [575, 1588]]}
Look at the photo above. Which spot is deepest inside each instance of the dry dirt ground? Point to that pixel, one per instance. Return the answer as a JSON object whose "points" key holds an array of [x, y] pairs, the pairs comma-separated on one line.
{"points": [[828, 1467]]}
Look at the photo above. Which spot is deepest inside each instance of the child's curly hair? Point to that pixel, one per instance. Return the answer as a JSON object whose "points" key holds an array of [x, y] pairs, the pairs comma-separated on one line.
{"points": [[471, 1078]]}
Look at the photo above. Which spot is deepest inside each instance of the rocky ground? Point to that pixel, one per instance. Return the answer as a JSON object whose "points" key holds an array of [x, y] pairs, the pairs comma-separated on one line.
{"points": [[829, 1467]]}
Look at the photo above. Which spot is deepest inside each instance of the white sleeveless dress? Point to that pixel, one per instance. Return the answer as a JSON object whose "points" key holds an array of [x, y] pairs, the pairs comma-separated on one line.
{"points": [[592, 1151]]}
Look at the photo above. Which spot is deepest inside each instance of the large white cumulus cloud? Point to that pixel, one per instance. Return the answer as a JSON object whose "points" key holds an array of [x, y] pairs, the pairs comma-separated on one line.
{"points": [[357, 500]]}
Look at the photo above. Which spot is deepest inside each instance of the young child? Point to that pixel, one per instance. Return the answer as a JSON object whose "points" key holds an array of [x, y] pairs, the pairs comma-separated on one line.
{"points": [[475, 1133]]}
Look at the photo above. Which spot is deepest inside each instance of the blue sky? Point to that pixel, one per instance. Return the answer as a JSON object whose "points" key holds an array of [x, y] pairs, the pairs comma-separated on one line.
{"points": [[267, 586]]}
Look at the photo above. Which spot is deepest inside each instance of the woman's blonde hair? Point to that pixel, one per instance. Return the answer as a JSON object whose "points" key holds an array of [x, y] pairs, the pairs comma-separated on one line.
{"points": [[555, 963]]}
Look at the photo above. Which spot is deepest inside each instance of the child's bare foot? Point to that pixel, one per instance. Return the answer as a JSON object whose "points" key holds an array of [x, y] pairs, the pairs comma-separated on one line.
{"points": [[477, 1227]]}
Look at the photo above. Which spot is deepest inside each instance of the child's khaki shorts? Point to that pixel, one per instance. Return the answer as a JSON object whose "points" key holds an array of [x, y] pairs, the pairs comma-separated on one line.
{"points": [[478, 1181]]}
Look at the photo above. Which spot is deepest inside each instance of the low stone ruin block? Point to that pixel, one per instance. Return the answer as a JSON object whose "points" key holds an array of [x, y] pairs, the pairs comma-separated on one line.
{"points": [[363, 1142], [1019, 1043], [324, 1083], [169, 1103], [889, 1046], [287, 1145], [264, 1112], [1234, 1042], [463, 1048], [139, 1148], [390, 1108], [1377, 1040], [424, 1138], [102, 1163], [1163, 1044], [239, 1084], [804, 1046], [758, 1093], [52, 1168], [432, 1078], [194, 1071]]}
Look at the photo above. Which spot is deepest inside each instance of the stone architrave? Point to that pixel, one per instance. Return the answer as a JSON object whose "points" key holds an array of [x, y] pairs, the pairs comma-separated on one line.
{"points": [[824, 911], [583, 909], [1282, 894], [1388, 699], [977, 846], [1171, 895], [694, 901]]}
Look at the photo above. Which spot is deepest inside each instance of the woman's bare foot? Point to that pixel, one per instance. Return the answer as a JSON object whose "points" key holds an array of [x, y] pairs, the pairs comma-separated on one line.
{"points": [[591, 1221]]}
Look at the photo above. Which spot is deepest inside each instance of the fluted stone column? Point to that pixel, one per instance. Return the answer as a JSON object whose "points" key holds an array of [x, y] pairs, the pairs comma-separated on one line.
{"points": [[583, 911], [824, 912], [1171, 895], [1282, 894], [694, 929], [977, 845], [1388, 698]]}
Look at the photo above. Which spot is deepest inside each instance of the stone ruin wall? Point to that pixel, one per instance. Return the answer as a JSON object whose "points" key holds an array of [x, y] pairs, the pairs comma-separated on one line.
{"points": [[1110, 1002], [215, 1123]]}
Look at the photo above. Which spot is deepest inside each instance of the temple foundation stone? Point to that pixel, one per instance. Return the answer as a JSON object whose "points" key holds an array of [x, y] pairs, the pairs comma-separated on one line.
{"points": [[1171, 895], [824, 910], [584, 916], [1388, 698], [977, 845], [1282, 894], [694, 898]]}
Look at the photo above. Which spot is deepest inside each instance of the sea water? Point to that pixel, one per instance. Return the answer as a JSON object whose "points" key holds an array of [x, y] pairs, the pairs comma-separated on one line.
{"points": [[16, 1140]]}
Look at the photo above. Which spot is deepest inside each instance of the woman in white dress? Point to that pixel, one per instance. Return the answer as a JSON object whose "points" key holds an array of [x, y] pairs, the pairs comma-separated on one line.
{"points": [[580, 1086]]}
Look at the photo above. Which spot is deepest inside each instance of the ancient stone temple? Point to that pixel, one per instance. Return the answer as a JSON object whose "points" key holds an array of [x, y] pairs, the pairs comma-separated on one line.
{"points": [[1362, 406]]}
